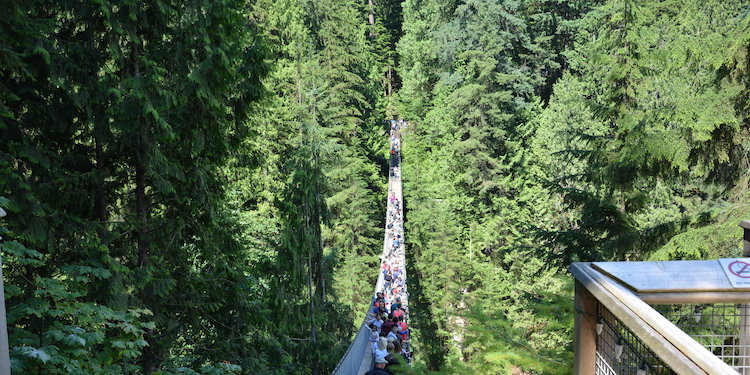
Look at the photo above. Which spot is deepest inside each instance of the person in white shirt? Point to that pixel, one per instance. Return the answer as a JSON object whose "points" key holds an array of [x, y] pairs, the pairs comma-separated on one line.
{"points": [[378, 322], [381, 350], [374, 336], [395, 333]]}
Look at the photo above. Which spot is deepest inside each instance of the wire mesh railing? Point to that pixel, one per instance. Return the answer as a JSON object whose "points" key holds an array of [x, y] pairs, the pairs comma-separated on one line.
{"points": [[721, 327], [620, 351]]}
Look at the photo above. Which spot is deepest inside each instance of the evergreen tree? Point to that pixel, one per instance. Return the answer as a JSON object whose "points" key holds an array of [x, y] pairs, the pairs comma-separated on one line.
{"points": [[96, 167]]}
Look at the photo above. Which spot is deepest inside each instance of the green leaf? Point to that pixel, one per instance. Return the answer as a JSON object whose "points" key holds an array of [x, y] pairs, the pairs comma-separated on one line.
{"points": [[34, 353]]}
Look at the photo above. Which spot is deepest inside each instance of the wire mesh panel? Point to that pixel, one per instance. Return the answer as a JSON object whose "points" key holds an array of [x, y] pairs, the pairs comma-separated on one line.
{"points": [[602, 367], [718, 327], [620, 352]]}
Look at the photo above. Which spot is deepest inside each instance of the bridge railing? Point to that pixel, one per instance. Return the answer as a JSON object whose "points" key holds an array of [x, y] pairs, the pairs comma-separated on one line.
{"points": [[351, 362]]}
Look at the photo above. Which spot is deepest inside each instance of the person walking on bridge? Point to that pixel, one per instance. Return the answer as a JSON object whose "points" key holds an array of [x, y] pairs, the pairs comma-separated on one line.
{"points": [[381, 350], [374, 336], [378, 322], [379, 369], [387, 327]]}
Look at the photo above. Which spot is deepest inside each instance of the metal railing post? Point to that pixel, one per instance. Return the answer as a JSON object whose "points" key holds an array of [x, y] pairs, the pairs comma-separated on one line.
{"points": [[745, 308], [4, 347]]}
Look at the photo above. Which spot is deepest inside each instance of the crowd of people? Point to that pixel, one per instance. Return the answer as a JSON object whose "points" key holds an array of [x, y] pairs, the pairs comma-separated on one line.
{"points": [[389, 314], [396, 126]]}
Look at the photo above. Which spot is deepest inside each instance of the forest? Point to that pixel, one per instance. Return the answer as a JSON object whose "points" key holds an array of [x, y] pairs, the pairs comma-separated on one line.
{"points": [[198, 187]]}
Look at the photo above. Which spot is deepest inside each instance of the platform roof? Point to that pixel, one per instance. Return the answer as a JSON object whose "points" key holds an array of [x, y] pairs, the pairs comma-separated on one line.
{"points": [[669, 276]]}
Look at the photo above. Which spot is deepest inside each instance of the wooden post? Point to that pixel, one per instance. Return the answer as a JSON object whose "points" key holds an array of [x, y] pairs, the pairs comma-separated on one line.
{"points": [[745, 224], [745, 308], [586, 306]]}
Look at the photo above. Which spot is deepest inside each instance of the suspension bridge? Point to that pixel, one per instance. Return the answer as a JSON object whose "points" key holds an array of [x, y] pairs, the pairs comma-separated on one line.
{"points": [[391, 289]]}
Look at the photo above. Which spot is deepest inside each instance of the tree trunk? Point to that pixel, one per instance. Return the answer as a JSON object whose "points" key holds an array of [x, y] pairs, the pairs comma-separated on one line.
{"points": [[141, 211], [313, 332], [140, 179], [390, 81], [100, 195], [149, 356], [101, 201], [372, 17]]}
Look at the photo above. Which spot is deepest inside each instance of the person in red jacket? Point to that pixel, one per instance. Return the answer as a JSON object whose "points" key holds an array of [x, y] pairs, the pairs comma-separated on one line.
{"points": [[398, 313], [404, 328]]}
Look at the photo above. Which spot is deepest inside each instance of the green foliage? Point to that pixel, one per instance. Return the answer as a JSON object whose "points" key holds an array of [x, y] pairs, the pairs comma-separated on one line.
{"points": [[648, 152], [110, 111], [475, 77], [57, 328], [553, 132], [198, 187]]}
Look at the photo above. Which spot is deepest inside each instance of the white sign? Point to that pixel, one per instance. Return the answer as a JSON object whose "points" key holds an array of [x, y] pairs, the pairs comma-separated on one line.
{"points": [[737, 271]]}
